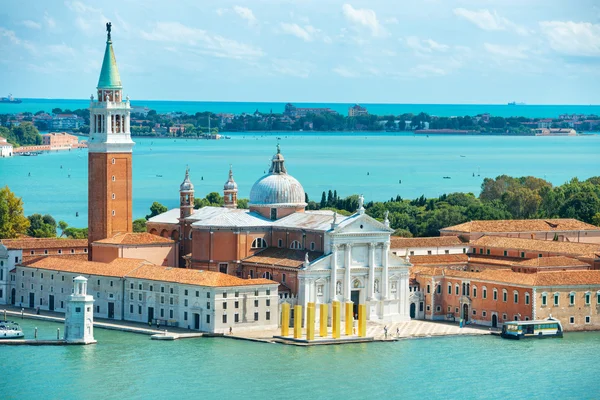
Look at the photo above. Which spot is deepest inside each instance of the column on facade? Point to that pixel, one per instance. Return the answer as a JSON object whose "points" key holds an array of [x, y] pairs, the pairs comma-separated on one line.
{"points": [[127, 122], [108, 122], [406, 302], [371, 288], [385, 274], [348, 278], [333, 281]]}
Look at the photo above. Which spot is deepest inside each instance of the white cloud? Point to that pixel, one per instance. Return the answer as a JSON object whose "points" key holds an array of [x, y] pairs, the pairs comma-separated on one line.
{"points": [[14, 39], [246, 13], [345, 72], [308, 33], [31, 24], [221, 11], [489, 21], [88, 18], [425, 45], [363, 17], [515, 52], [573, 38], [218, 46], [49, 21], [299, 69]]}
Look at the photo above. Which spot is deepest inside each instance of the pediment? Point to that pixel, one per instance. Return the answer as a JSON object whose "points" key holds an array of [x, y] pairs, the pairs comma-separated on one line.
{"points": [[362, 223]]}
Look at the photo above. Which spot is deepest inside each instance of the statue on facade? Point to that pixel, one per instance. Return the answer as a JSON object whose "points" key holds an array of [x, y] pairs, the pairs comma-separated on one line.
{"points": [[338, 287], [306, 260], [386, 219], [376, 286], [108, 29], [334, 218], [361, 202]]}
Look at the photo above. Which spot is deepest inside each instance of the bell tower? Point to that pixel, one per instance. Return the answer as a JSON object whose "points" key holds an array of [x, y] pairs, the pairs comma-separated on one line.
{"points": [[186, 196], [109, 155], [230, 190]]}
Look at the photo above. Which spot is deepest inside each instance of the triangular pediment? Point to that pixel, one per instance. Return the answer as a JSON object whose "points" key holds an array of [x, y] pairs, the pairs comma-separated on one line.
{"points": [[361, 223]]}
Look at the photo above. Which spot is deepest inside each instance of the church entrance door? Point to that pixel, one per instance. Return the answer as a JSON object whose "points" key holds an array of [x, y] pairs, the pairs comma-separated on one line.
{"points": [[197, 321], [413, 310], [465, 312], [355, 298]]}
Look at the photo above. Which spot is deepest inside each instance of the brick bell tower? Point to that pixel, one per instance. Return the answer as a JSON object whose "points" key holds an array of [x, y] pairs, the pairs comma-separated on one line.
{"points": [[109, 155]]}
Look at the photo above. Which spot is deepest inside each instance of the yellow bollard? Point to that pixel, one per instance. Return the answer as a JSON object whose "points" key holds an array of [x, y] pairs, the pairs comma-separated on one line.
{"points": [[349, 318], [285, 319], [335, 322], [323, 321], [297, 322], [362, 320], [310, 321]]}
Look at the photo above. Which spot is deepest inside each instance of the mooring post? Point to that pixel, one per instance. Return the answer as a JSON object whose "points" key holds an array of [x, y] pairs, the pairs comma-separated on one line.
{"points": [[35, 333], [22, 309], [57, 333]]}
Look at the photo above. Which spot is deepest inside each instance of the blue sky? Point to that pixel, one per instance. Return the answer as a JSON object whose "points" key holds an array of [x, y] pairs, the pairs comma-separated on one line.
{"points": [[430, 51]]}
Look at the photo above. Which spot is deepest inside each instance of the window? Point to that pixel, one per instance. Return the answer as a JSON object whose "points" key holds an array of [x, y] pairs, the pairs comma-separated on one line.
{"points": [[268, 292], [256, 316], [428, 307], [516, 297], [267, 275], [598, 297], [224, 295], [587, 319], [208, 318], [256, 303], [484, 313], [59, 251], [505, 253], [504, 317], [268, 315], [32, 252], [480, 251], [111, 283], [97, 308], [223, 268], [113, 178], [544, 299], [77, 309], [428, 252], [456, 289], [464, 250], [474, 291], [113, 213], [571, 320], [162, 299], [449, 288], [447, 251], [171, 290], [236, 317], [251, 274], [113, 160], [495, 294], [207, 294], [588, 298], [412, 253], [185, 302], [256, 292], [208, 305], [113, 196], [556, 299], [428, 289], [522, 254], [224, 305], [236, 304], [130, 295], [170, 300], [259, 243], [438, 308], [185, 315], [45, 251], [140, 310], [474, 312], [527, 298], [279, 244], [72, 251], [572, 298], [539, 255], [504, 295], [171, 314], [487, 252], [438, 289], [130, 285], [162, 312], [185, 292], [85, 250], [268, 302], [162, 289], [295, 245], [131, 309]]}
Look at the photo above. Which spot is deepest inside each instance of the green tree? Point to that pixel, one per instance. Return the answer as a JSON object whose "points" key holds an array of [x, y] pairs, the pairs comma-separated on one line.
{"points": [[63, 226], [402, 233], [583, 206], [26, 134], [76, 233], [215, 199], [155, 209], [12, 220], [41, 226], [243, 203], [139, 225], [323, 200]]}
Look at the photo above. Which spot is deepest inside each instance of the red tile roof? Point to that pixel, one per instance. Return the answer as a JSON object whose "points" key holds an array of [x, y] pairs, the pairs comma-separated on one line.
{"points": [[141, 238], [28, 259], [523, 225], [43, 243], [551, 246], [559, 261], [282, 257], [402, 243], [441, 259]]}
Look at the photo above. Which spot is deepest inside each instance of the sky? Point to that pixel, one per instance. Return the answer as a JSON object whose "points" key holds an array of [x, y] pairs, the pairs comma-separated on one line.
{"points": [[427, 51]]}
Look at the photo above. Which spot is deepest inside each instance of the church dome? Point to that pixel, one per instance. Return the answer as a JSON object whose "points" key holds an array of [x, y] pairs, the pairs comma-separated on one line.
{"points": [[186, 185], [277, 188]]}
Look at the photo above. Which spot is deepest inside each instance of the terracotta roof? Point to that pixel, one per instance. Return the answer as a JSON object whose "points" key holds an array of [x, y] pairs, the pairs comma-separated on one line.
{"points": [[401, 242], [193, 277], [524, 225], [440, 259], [425, 270], [554, 278], [28, 259], [117, 268], [559, 261], [493, 260], [282, 257], [43, 243], [140, 238], [580, 249]]}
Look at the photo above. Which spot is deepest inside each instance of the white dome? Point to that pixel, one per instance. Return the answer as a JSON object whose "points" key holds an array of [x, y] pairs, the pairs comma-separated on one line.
{"points": [[277, 190]]}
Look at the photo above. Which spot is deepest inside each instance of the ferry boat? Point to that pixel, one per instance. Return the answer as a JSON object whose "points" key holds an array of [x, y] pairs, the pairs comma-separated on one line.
{"points": [[538, 329], [10, 330], [10, 99]]}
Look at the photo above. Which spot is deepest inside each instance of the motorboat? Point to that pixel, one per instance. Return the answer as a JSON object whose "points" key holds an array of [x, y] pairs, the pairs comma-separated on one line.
{"points": [[10, 330]]}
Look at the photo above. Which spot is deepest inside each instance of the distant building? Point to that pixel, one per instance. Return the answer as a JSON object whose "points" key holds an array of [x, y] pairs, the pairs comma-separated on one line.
{"points": [[298, 112], [357, 110], [65, 122], [6, 149], [58, 141], [544, 123]]}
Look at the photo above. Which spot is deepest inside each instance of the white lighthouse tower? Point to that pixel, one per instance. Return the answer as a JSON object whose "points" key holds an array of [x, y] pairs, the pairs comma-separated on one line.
{"points": [[79, 318]]}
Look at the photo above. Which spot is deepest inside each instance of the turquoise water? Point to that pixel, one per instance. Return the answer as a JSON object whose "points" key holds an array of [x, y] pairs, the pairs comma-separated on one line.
{"points": [[442, 110], [320, 161], [125, 365]]}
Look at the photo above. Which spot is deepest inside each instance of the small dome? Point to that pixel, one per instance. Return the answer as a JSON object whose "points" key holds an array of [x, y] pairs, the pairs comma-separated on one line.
{"points": [[230, 184], [277, 188], [186, 185]]}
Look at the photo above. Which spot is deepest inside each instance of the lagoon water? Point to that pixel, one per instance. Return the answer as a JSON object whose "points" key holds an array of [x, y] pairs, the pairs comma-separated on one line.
{"points": [[367, 163], [131, 366]]}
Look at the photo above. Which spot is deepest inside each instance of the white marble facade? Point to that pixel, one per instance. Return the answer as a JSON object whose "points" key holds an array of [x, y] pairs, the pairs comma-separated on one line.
{"points": [[359, 267]]}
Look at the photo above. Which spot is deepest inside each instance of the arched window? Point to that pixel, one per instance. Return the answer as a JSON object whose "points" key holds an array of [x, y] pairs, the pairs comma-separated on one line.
{"points": [[267, 275], [251, 274], [474, 291], [544, 298], [504, 295], [456, 289], [527, 298], [312, 246], [572, 298], [449, 288], [190, 235], [279, 243], [556, 299], [495, 294], [516, 297], [296, 245], [484, 292], [259, 243]]}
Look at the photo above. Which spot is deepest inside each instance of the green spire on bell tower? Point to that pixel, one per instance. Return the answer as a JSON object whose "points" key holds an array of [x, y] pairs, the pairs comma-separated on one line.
{"points": [[109, 75]]}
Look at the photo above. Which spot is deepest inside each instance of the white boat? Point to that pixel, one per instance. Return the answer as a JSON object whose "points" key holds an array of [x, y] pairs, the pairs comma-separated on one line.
{"points": [[10, 330], [544, 328]]}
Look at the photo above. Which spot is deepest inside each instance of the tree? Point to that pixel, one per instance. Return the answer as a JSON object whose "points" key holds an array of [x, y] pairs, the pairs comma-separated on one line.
{"points": [[215, 199], [139, 225], [402, 233], [155, 209], [63, 226], [584, 206], [76, 233], [242, 203], [12, 220], [41, 226], [323, 200]]}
